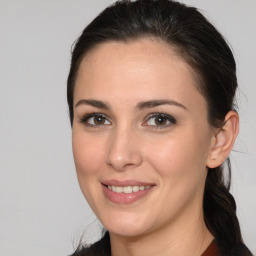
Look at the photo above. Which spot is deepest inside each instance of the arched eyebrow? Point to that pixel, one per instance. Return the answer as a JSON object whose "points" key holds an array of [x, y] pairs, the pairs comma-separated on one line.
{"points": [[155, 103], [140, 106], [93, 103]]}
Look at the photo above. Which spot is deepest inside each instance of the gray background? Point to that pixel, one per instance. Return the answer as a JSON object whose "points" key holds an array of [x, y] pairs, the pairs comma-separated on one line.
{"points": [[42, 211]]}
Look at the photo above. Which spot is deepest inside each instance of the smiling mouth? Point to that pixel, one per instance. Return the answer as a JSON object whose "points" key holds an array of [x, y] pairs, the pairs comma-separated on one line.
{"points": [[127, 189], [126, 192]]}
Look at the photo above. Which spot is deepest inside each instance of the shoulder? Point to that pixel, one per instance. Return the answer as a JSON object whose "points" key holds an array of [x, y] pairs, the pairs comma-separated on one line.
{"points": [[215, 250]]}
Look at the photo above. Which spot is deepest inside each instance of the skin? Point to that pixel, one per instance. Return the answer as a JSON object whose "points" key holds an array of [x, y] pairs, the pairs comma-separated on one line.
{"points": [[130, 145]]}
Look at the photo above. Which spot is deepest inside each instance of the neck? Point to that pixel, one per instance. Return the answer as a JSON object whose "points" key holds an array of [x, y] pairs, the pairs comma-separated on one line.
{"points": [[188, 236]]}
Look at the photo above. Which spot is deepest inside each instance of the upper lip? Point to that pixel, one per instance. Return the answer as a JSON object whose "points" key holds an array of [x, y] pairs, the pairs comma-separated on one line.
{"points": [[124, 183]]}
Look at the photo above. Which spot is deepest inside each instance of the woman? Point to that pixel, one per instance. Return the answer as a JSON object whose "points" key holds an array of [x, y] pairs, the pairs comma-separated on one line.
{"points": [[151, 98]]}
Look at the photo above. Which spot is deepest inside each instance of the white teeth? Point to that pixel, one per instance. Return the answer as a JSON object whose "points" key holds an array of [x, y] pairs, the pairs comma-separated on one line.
{"points": [[127, 189], [119, 189], [135, 188]]}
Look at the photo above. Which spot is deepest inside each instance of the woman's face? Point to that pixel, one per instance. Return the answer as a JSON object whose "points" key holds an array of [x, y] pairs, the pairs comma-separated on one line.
{"points": [[141, 139]]}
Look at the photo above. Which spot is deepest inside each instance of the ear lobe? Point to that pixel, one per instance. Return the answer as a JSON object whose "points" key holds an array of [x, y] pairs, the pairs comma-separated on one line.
{"points": [[224, 140]]}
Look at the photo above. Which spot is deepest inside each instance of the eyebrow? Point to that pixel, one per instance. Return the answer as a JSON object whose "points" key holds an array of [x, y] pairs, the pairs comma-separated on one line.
{"points": [[140, 106], [155, 103], [94, 103]]}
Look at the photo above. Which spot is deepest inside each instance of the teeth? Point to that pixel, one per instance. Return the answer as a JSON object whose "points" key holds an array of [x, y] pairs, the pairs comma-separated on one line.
{"points": [[119, 189], [135, 188], [128, 189]]}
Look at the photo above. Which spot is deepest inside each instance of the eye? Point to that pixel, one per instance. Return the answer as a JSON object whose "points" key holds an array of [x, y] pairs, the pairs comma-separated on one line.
{"points": [[159, 120], [95, 119]]}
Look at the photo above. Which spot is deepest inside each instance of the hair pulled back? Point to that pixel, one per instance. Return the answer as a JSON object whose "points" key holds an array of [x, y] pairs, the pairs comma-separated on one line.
{"points": [[198, 42]]}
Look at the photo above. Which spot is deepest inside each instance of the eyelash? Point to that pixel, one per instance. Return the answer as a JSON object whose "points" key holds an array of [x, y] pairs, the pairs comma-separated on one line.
{"points": [[165, 117], [85, 119]]}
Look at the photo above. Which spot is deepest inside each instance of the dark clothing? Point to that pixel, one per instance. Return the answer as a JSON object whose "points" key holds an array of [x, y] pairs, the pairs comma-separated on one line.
{"points": [[102, 248], [99, 249]]}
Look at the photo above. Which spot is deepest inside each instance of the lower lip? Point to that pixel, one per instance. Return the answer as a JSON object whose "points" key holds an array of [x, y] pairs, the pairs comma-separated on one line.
{"points": [[123, 198]]}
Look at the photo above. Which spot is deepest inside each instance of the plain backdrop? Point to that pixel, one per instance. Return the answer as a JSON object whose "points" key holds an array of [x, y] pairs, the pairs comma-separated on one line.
{"points": [[42, 211]]}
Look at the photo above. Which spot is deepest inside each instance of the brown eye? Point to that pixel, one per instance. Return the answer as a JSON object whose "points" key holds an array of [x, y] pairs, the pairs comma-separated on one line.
{"points": [[160, 120], [99, 120], [95, 120]]}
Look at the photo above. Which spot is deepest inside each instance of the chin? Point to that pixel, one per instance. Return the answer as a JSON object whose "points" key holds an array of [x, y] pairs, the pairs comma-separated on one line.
{"points": [[127, 227], [127, 232]]}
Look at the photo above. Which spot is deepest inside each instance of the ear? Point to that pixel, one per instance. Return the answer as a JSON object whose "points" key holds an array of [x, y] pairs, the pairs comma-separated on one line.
{"points": [[223, 140]]}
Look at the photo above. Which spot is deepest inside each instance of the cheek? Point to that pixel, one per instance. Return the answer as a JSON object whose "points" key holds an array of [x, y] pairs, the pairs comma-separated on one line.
{"points": [[180, 165], [86, 153], [180, 157], [88, 158], [88, 162]]}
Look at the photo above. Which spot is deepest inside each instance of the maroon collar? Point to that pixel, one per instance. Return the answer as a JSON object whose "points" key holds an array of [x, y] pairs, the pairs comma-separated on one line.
{"points": [[212, 250]]}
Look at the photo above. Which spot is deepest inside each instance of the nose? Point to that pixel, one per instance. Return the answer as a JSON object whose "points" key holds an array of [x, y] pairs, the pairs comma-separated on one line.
{"points": [[124, 150]]}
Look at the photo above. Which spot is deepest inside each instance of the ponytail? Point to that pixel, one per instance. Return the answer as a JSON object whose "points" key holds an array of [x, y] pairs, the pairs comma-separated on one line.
{"points": [[220, 213]]}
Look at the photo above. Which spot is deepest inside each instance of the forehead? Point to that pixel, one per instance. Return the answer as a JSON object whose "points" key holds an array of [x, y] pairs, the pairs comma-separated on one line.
{"points": [[139, 55], [141, 68]]}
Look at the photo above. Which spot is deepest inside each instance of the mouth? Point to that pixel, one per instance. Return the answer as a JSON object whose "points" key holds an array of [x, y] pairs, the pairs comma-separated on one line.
{"points": [[126, 192], [127, 189]]}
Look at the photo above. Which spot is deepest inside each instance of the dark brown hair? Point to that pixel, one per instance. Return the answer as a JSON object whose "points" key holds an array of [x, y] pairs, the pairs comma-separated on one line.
{"points": [[196, 40]]}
